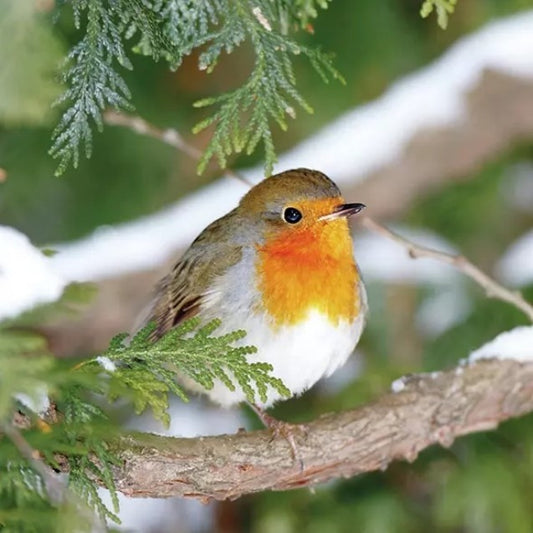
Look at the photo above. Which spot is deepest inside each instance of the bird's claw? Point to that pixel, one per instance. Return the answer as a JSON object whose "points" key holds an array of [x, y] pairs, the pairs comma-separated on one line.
{"points": [[287, 431]]}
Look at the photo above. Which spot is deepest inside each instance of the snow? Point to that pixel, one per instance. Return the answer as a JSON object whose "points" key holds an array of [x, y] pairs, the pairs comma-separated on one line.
{"points": [[443, 310], [398, 384], [515, 344], [147, 242], [106, 363], [382, 259], [374, 135], [516, 265], [431, 97], [38, 403], [27, 277]]}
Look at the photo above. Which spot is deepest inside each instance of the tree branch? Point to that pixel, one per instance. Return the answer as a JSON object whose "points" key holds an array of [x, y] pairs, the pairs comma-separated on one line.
{"points": [[429, 408], [55, 487], [492, 288], [169, 136]]}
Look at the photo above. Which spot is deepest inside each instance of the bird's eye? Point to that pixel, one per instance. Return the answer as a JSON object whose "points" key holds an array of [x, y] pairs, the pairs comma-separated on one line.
{"points": [[292, 215]]}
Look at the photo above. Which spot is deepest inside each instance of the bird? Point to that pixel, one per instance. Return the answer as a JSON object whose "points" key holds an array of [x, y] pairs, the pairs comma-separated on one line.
{"points": [[280, 266]]}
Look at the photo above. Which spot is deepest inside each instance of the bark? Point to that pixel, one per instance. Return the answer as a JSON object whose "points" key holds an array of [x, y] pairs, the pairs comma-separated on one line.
{"points": [[430, 408]]}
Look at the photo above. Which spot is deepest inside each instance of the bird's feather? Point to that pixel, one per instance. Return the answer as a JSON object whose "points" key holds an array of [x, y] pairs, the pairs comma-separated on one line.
{"points": [[181, 294]]}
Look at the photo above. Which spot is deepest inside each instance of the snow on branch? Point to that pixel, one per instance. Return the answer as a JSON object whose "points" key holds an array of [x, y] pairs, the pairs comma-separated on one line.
{"points": [[516, 344], [427, 409], [27, 278]]}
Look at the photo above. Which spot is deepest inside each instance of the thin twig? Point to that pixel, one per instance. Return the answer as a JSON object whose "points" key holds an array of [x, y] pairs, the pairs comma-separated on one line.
{"points": [[492, 288], [55, 487], [169, 136]]}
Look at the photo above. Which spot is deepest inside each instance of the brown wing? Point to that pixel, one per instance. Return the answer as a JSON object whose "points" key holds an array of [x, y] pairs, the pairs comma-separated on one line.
{"points": [[179, 295], [175, 300]]}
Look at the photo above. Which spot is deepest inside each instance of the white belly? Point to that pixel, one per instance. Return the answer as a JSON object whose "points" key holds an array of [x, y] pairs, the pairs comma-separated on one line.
{"points": [[300, 355]]}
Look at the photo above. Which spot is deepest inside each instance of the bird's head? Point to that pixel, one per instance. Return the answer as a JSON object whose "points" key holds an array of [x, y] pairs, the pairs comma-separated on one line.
{"points": [[296, 203]]}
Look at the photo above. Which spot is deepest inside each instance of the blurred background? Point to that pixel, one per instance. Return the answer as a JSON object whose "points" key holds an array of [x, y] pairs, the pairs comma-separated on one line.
{"points": [[466, 185]]}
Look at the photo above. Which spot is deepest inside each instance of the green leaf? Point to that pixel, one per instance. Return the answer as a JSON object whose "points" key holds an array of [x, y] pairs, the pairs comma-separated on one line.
{"points": [[147, 371], [93, 83], [245, 116], [443, 8]]}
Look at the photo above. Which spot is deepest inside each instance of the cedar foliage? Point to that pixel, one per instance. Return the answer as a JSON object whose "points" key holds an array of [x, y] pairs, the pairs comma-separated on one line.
{"points": [[172, 29], [75, 433]]}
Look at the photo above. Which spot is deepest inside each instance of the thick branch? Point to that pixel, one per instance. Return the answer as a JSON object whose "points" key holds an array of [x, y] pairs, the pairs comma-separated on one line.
{"points": [[430, 408]]}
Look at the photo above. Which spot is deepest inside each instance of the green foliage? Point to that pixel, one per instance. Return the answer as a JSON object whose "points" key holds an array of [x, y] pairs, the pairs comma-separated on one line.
{"points": [[21, 490], [30, 375], [86, 430], [93, 83], [30, 55], [306, 10], [464, 500], [443, 8], [79, 440], [244, 116], [146, 371], [171, 30]]}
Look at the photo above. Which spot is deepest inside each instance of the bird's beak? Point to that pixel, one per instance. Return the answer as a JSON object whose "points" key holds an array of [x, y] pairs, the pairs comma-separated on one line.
{"points": [[344, 210]]}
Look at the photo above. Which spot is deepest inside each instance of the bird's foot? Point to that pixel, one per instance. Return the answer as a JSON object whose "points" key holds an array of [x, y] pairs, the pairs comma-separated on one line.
{"points": [[285, 430]]}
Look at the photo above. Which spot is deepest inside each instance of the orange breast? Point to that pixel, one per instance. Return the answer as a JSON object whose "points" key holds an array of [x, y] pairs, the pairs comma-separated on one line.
{"points": [[310, 268]]}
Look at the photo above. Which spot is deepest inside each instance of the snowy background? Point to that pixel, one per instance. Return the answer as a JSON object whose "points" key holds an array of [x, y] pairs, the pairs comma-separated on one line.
{"points": [[434, 300]]}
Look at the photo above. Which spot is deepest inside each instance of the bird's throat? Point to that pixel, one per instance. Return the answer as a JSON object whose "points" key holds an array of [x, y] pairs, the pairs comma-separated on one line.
{"points": [[309, 269]]}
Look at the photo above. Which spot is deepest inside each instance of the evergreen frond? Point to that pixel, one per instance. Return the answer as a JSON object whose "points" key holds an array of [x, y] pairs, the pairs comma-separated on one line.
{"points": [[83, 436], [297, 12], [443, 8], [93, 83], [244, 117], [146, 371], [23, 502], [79, 438], [29, 376], [172, 29]]}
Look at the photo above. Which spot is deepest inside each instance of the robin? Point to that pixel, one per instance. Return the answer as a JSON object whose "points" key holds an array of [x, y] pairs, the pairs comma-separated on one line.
{"points": [[280, 266]]}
